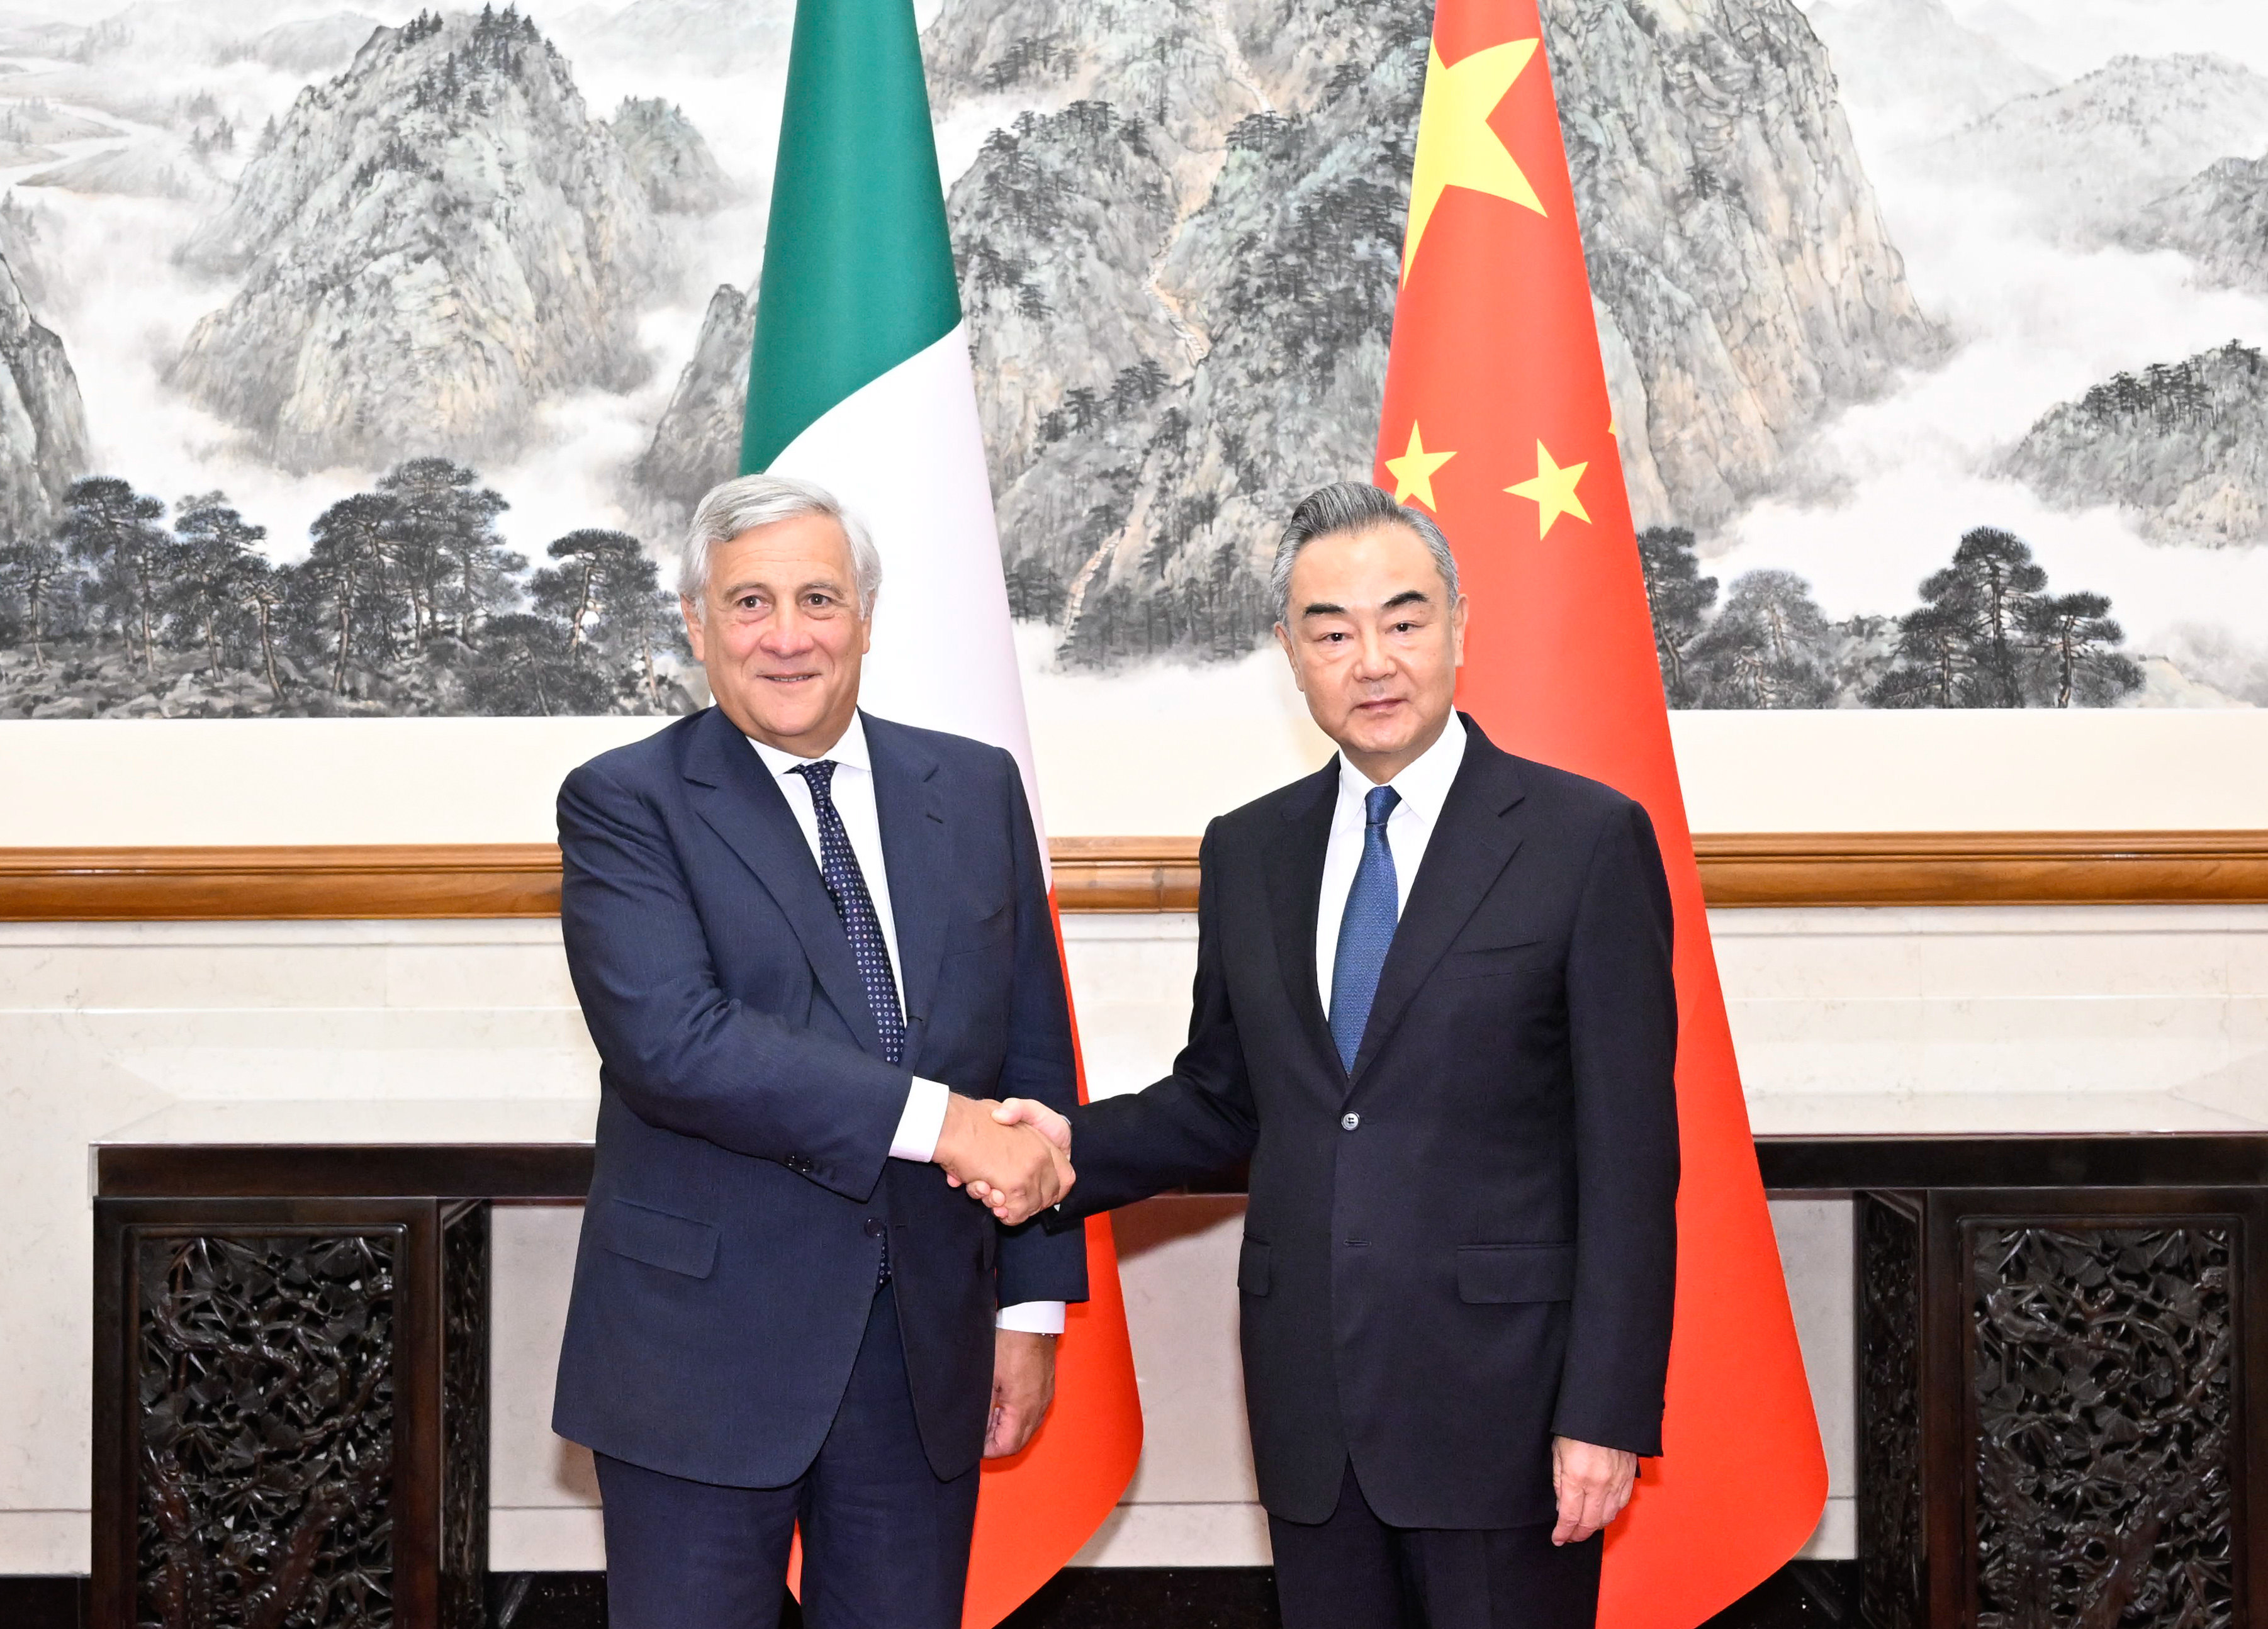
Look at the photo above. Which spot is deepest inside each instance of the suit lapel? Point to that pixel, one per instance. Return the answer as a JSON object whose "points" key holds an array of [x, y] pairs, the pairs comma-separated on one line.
{"points": [[1475, 838], [1295, 888], [917, 854], [743, 806]]}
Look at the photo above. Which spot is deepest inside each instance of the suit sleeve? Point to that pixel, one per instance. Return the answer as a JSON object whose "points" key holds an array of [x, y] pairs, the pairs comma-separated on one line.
{"points": [[1622, 1002], [1043, 1063], [1200, 1118], [683, 1056]]}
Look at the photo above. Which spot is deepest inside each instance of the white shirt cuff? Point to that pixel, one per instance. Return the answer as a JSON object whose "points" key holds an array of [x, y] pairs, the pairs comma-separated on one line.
{"points": [[1032, 1317], [922, 1122]]}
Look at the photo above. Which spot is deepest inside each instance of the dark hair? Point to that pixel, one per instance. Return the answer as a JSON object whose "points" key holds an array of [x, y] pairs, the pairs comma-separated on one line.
{"points": [[1352, 506]]}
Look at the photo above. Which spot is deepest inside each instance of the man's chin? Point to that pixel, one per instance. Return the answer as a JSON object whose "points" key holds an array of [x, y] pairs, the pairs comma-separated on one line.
{"points": [[1388, 730], [783, 722]]}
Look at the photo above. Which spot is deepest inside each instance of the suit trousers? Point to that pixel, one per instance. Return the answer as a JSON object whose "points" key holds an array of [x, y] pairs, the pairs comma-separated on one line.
{"points": [[885, 1542], [1355, 1572]]}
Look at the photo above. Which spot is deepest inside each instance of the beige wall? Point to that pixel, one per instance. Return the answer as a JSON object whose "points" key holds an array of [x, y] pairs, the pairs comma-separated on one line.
{"points": [[2064, 1016], [1114, 761]]}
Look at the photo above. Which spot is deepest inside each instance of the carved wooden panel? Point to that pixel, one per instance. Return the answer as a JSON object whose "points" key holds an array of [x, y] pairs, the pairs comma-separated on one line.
{"points": [[464, 1417], [1892, 1590], [2102, 1366], [265, 1383]]}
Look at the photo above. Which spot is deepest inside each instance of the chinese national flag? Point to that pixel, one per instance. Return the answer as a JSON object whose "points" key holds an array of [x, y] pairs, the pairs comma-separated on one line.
{"points": [[1496, 421]]}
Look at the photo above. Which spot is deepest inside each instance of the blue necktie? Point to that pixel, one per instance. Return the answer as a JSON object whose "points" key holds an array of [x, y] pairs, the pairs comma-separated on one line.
{"points": [[846, 886], [1366, 929]]}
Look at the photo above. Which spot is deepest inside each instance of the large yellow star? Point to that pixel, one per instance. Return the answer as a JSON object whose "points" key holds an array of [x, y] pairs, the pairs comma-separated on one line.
{"points": [[1414, 471], [1552, 492], [1456, 146]]}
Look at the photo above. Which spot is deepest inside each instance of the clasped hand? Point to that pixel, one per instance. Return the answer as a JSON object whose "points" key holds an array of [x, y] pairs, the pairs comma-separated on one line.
{"points": [[1014, 1170]]}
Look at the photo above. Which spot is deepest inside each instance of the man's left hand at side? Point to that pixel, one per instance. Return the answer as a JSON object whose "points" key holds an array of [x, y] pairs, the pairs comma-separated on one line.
{"points": [[1593, 1483], [1023, 1384]]}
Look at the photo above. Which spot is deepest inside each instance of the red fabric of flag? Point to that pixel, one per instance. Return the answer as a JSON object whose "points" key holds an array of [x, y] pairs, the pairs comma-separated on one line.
{"points": [[1497, 420], [1036, 1511]]}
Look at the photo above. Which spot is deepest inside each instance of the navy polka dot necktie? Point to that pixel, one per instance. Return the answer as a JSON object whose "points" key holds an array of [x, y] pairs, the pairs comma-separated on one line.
{"points": [[846, 886], [1373, 906]]}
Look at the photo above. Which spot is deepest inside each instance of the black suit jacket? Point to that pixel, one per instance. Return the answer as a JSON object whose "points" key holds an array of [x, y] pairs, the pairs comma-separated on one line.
{"points": [[743, 1186], [1466, 1247]]}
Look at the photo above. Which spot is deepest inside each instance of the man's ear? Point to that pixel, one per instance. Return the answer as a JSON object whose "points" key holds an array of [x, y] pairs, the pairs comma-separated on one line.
{"points": [[1283, 638], [1457, 617], [694, 632]]}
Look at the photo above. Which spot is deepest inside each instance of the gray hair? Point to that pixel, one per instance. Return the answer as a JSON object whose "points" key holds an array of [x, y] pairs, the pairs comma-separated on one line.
{"points": [[747, 502], [1352, 506]]}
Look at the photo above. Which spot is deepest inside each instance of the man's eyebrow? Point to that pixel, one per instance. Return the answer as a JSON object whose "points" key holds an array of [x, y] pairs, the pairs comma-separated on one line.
{"points": [[1324, 608], [753, 586], [1408, 596]]}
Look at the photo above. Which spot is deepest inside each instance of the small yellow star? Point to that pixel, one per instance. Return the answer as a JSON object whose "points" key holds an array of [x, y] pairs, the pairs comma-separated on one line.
{"points": [[1414, 471], [1456, 146], [1552, 492]]}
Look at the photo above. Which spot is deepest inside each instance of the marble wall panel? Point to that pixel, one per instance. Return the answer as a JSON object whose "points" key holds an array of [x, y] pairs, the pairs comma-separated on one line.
{"points": [[101, 1025]]}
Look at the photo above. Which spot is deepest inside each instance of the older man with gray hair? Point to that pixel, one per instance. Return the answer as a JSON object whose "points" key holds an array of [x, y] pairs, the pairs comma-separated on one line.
{"points": [[1434, 1009], [811, 946]]}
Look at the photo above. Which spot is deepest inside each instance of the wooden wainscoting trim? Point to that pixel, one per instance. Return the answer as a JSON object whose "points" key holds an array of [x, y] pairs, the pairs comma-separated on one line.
{"points": [[279, 883], [1125, 873], [1985, 868], [1136, 874]]}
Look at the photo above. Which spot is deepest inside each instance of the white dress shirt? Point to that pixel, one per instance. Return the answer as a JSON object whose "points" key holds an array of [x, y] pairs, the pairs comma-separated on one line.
{"points": [[852, 790], [1424, 787]]}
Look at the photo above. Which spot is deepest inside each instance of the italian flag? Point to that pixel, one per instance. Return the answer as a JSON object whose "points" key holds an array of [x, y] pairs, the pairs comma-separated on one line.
{"points": [[860, 382]]}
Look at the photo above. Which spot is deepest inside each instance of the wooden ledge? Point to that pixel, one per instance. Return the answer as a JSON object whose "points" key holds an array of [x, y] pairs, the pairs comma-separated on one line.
{"points": [[1985, 868], [1135, 874], [279, 883], [1125, 873]]}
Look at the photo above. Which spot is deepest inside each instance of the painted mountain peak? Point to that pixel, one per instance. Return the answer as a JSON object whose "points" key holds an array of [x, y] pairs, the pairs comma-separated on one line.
{"points": [[43, 444], [2086, 156], [2182, 447], [429, 247]]}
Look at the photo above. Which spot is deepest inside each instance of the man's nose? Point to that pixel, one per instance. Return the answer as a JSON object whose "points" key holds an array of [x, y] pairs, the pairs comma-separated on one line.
{"points": [[787, 633], [1372, 660]]}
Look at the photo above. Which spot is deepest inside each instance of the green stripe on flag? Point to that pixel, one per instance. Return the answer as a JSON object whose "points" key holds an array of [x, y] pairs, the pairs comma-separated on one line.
{"points": [[857, 266]]}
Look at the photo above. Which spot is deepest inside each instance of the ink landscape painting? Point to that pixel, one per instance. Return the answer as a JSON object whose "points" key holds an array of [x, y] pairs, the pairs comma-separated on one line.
{"points": [[361, 358]]}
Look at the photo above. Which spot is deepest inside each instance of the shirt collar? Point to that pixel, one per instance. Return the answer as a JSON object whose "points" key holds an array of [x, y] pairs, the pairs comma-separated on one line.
{"points": [[851, 751], [1425, 782]]}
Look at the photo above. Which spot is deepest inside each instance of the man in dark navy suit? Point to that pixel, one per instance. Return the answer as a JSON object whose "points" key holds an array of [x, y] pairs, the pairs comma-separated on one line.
{"points": [[1434, 1009], [811, 946]]}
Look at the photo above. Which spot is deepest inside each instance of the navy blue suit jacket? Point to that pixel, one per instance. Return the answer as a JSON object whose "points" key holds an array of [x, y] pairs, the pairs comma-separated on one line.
{"points": [[1467, 1244], [743, 1185]]}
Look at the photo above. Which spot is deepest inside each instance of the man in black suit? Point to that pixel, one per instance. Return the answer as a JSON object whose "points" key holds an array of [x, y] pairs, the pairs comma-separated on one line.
{"points": [[806, 941], [1434, 1009]]}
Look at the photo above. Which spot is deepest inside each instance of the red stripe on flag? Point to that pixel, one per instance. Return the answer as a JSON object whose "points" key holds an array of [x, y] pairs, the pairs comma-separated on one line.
{"points": [[1036, 1511]]}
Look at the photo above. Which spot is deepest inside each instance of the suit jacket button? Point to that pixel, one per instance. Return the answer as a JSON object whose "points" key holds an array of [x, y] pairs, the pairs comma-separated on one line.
{"points": [[1350, 1122], [874, 1228]]}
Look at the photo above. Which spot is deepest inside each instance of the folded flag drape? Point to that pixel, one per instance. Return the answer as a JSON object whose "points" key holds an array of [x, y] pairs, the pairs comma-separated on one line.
{"points": [[860, 381], [1497, 420]]}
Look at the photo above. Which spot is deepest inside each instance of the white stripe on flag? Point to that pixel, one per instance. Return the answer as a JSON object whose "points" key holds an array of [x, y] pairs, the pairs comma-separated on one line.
{"points": [[905, 454]]}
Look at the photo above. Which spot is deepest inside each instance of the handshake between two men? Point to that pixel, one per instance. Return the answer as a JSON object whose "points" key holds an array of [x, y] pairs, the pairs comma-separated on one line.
{"points": [[1012, 1160], [792, 924]]}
